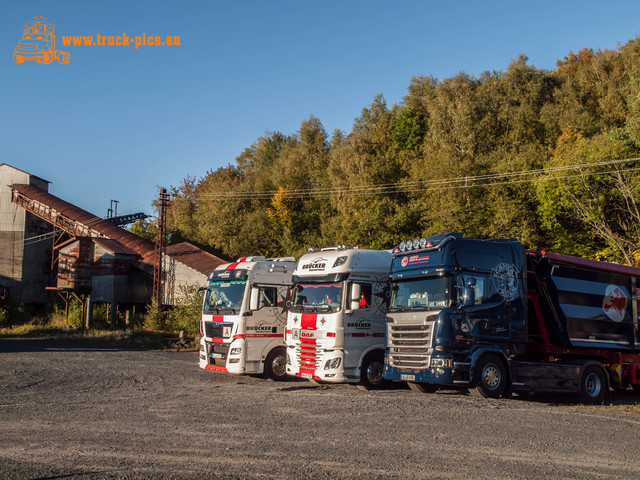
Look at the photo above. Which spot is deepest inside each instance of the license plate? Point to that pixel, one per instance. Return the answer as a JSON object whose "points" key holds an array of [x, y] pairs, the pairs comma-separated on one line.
{"points": [[216, 355], [408, 377], [306, 375]]}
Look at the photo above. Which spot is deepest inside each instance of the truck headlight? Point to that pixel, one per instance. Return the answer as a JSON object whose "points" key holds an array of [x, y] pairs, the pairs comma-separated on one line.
{"points": [[332, 364], [235, 351], [439, 362]]}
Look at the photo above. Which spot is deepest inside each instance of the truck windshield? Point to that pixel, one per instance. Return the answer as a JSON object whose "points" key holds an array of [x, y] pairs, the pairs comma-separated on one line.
{"points": [[317, 297], [224, 295], [420, 294]]}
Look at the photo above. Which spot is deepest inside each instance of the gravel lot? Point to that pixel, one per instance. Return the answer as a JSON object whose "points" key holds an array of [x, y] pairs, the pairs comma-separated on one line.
{"points": [[77, 411]]}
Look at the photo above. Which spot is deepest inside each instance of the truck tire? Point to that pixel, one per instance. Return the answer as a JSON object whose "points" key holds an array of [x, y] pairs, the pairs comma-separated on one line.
{"points": [[490, 377], [275, 365], [46, 58], [423, 387], [593, 385], [371, 371]]}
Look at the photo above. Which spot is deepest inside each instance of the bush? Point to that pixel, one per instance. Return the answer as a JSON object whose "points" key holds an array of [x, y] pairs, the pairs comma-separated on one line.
{"points": [[75, 314], [187, 313], [4, 317], [12, 314], [153, 318]]}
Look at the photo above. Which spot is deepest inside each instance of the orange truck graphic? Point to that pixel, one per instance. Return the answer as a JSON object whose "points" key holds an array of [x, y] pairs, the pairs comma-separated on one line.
{"points": [[38, 43]]}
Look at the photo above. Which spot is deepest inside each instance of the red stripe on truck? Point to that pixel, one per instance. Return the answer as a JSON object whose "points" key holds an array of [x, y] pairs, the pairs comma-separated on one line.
{"points": [[308, 321], [215, 368], [231, 266]]}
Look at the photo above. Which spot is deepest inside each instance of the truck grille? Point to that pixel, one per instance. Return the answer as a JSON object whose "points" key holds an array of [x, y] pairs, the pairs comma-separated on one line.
{"points": [[215, 329], [410, 345], [309, 355], [217, 354]]}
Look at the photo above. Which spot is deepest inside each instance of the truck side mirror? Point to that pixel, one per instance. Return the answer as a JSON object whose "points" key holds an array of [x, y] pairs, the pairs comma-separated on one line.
{"points": [[469, 292], [254, 300], [468, 296], [356, 291]]}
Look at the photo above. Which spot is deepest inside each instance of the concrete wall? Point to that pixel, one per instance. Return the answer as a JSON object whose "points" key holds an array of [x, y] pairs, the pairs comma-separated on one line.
{"points": [[24, 269], [113, 278], [177, 274]]}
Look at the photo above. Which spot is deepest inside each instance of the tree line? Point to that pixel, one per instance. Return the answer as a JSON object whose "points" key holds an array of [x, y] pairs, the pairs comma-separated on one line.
{"points": [[548, 157]]}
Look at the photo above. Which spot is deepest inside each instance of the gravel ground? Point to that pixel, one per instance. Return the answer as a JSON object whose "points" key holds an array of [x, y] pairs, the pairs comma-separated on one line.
{"points": [[77, 411]]}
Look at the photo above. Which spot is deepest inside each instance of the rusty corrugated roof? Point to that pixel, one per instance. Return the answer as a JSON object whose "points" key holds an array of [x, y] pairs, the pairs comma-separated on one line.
{"points": [[142, 247], [186, 253], [114, 246], [194, 257]]}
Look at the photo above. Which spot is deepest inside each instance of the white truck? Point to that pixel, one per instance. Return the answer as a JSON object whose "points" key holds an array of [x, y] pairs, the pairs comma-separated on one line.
{"points": [[336, 316], [244, 315]]}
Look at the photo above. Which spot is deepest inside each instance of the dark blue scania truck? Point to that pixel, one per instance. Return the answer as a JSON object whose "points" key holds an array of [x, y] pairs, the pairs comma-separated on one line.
{"points": [[488, 316]]}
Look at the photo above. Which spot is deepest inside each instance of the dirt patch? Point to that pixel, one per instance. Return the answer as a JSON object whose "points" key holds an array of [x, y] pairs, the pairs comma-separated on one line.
{"points": [[74, 410]]}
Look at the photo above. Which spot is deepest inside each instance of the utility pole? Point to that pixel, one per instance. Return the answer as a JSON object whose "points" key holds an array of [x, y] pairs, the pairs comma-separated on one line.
{"points": [[158, 274], [110, 212]]}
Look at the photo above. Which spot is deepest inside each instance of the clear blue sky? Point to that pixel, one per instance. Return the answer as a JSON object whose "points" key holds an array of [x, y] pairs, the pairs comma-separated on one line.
{"points": [[116, 122]]}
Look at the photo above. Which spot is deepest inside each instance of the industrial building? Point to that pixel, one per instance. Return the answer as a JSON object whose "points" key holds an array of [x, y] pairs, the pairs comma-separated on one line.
{"points": [[48, 245]]}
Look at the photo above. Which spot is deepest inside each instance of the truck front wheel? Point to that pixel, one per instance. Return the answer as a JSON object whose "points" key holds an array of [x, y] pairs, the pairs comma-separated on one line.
{"points": [[371, 372], [490, 376], [593, 386], [275, 366]]}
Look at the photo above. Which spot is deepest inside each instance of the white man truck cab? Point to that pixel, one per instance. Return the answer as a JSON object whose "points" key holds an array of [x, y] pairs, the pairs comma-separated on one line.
{"points": [[244, 315], [336, 318]]}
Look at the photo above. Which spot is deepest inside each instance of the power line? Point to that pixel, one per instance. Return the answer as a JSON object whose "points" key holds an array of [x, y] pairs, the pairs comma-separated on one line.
{"points": [[455, 182]]}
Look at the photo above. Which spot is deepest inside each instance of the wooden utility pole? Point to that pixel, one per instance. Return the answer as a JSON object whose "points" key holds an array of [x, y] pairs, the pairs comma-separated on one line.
{"points": [[158, 274]]}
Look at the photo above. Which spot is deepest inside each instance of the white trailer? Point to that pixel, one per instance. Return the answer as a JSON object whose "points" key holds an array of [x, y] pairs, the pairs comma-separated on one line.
{"points": [[244, 317], [336, 318]]}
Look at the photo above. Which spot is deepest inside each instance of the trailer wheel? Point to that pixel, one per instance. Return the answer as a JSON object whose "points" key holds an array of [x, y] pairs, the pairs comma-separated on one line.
{"points": [[423, 387], [371, 372], [275, 365], [490, 376], [593, 385], [63, 57]]}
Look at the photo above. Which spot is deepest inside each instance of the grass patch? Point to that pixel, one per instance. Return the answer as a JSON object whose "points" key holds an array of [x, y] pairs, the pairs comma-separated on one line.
{"points": [[634, 409], [138, 338]]}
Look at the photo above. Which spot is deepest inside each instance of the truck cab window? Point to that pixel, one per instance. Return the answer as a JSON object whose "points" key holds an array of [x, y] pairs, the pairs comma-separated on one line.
{"points": [[484, 290], [267, 297], [365, 295]]}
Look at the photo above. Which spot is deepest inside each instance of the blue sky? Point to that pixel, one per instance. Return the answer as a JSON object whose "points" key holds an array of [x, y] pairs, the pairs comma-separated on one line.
{"points": [[117, 123]]}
